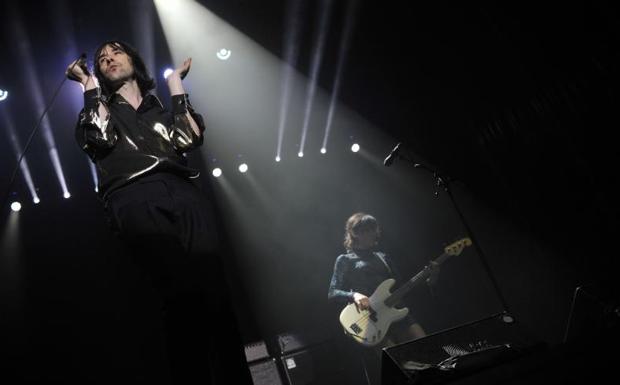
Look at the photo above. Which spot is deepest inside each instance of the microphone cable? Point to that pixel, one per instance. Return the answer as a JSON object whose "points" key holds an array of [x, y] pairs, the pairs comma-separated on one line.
{"points": [[7, 195]]}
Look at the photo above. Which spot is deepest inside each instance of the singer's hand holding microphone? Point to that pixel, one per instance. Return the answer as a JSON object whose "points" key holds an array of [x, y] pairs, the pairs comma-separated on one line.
{"points": [[78, 71]]}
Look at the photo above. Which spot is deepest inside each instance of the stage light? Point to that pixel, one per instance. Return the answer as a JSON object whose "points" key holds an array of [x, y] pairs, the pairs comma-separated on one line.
{"points": [[315, 67], [278, 158], [167, 72], [36, 200], [355, 147], [223, 54], [58, 167], [3, 95], [300, 154], [16, 206], [243, 167], [24, 55], [217, 172], [345, 36], [323, 150], [7, 121], [93, 173]]}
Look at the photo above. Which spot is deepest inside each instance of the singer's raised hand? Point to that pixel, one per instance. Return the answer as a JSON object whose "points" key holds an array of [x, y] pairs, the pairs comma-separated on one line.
{"points": [[183, 69], [77, 71], [174, 79]]}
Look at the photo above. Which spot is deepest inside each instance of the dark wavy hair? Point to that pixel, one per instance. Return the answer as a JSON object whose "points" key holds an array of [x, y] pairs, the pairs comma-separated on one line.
{"points": [[145, 82], [357, 223]]}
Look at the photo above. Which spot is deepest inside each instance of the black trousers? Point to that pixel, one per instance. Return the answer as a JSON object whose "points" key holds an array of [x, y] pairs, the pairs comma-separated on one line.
{"points": [[168, 225]]}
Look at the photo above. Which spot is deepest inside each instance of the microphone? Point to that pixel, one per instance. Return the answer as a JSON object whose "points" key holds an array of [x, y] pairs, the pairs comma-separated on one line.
{"points": [[392, 156], [82, 59], [81, 62]]}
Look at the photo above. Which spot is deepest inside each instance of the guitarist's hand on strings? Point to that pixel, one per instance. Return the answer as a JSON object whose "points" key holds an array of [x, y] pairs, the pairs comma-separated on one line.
{"points": [[361, 301]]}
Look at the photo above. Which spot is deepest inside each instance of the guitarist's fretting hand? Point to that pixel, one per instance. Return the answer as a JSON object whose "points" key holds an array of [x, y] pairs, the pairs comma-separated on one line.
{"points": [[361, 301], [433, 273]]}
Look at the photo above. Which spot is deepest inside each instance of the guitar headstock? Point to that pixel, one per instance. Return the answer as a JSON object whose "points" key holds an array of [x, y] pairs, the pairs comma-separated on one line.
{"points": [[457, 247]]}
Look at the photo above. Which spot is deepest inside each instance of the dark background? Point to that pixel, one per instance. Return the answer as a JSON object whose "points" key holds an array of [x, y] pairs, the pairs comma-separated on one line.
{"points": [[518, 104]]}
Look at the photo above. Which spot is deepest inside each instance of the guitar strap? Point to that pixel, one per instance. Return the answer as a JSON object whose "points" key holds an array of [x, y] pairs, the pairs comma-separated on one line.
{"points": [[382, 258]]}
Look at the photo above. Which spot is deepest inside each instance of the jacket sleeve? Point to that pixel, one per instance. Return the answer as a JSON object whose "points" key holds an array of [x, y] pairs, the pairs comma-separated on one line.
{"points": [[183, 137], [338, 287], [94, 134]]}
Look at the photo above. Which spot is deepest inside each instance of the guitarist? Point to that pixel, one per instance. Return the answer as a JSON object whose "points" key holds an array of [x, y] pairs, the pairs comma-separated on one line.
{"points": [[358, 273]]}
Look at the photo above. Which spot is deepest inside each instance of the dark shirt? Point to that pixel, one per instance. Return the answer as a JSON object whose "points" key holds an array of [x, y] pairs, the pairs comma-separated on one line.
{"points": [[133, 143], [361, 272]]}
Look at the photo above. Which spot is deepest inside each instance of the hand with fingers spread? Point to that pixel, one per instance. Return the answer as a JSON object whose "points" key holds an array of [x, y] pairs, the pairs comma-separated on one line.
{"points": [[182, 71], [174, 79]]}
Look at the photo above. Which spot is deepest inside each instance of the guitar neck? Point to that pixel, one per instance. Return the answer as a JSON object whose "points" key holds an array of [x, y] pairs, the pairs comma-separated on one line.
{"points": [[393, 299]]}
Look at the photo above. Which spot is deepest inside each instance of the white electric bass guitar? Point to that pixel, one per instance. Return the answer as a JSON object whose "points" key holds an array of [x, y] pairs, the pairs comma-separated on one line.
{"points": [[368, 327]]}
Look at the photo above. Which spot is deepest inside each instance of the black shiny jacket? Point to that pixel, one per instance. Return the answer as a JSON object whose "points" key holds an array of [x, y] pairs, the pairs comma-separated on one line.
{"points": [[130, 143]]}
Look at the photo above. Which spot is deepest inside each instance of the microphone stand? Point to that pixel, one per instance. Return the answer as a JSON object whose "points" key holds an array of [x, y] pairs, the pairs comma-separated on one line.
{"points": [[443, 183]]}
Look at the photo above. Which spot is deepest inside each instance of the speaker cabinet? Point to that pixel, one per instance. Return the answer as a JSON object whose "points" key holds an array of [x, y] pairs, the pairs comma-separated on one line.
{"points": [[265, 372], [263, 368], [458, 353], [313, 365]]}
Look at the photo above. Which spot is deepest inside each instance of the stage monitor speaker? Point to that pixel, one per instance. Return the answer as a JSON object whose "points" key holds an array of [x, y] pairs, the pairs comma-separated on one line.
{"points": [[594, 318], [458, 353]]}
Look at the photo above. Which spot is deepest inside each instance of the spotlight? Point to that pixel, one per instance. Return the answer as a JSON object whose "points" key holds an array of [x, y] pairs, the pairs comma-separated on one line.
{"points": [[300, 154], [355, 147], [223, 54], [36, 200], [167, 72], [323, 150], [16, 206], [217, 172], [278, 158], [67, 195], [243, 167], [3, 95]]}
